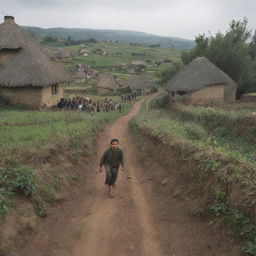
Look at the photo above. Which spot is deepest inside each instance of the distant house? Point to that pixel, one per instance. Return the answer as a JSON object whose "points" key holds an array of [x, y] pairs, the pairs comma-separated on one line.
{"points": [[63, 54], [83, 52], [121, 66], [106, 84], [84, 73], [139, 63], [27, 73], [100, 52], [141, 83], [202, 82]]}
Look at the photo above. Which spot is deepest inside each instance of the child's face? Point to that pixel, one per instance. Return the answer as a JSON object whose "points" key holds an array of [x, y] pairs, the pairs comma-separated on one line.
{"points": [[114, 146]]}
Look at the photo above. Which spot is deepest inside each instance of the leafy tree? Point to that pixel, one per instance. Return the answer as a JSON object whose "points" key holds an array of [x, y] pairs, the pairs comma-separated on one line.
{"points": [[50, 39], [238, 31], [166, 74], [252, 47], [91, 40]]}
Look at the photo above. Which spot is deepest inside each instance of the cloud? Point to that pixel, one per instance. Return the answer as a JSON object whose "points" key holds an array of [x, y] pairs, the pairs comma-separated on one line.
{"points": [[181, 18]]}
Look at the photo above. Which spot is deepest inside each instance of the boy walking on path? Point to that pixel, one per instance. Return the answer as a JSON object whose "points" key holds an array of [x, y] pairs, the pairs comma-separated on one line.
{"points": [[111, 159]]}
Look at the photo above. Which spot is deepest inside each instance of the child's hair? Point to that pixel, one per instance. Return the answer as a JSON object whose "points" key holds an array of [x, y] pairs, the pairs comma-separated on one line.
{"points": [[114, 140]]}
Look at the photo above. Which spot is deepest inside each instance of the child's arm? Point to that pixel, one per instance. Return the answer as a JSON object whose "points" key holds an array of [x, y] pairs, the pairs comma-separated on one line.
{"points": [[103, 160]]}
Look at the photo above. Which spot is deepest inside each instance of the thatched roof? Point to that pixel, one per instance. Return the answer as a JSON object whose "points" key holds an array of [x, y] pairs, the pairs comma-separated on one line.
{"points": [[139, 82], [80, 74], [139, 63], [63, 53], [107, 81], [28, 63], [197, 74]]}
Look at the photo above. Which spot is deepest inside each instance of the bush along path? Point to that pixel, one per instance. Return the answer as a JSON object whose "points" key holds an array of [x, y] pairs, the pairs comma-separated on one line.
{"points": [[156, 210]]}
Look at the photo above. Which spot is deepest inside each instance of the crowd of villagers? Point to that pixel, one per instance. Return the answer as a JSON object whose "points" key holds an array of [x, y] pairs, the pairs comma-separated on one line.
{"points": [[80, 103], [129, 96]]}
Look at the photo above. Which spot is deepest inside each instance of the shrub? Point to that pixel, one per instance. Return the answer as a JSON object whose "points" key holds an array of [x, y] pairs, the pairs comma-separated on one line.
{"points": [[154, 89], [24, 180], [4, 203], [162, 101]]}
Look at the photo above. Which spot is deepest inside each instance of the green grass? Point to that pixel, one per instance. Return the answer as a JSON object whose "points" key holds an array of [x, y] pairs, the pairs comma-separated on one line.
{"points": [[27, 132]]}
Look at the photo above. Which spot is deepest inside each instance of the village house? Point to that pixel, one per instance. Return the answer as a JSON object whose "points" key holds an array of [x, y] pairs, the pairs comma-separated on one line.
{"points": [[63, 54], [202, 83], [100, 52], [106, 84], [120, 66], [27, 73], [142, 84], [139, 63], [83, 52], [84, 73]]}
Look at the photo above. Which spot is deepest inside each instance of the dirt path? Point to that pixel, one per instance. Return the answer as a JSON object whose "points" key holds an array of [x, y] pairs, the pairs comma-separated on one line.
{"points": [[121, 226], [144, 218]]}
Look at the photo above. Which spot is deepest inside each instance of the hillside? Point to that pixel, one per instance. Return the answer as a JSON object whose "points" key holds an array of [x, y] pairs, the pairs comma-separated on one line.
{"points": [[112, 35]]}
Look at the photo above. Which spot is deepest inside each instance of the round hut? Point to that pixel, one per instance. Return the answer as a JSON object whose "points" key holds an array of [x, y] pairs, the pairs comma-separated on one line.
{"points": [[27, 73], [106, 84], [141, 83], [202, 83]]}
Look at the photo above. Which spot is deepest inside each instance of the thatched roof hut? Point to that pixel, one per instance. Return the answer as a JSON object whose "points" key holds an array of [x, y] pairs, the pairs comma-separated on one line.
{"points": [[26, 70], [106, 83], [63, 54], [203, 82], [84, 73], [120, 66], [140, 83], [139, 63]]}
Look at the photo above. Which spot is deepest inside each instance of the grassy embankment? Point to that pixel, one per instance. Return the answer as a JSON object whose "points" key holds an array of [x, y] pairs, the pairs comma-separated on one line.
{"points": [[222, 144], [39, 152]]}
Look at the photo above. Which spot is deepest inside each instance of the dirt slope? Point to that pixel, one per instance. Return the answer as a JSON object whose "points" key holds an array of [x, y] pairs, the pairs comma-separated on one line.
{"points": [[144, 218]]}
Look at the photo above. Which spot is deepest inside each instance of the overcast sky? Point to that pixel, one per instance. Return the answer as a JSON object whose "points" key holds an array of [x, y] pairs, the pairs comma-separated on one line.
{"points": [[179, 18]]}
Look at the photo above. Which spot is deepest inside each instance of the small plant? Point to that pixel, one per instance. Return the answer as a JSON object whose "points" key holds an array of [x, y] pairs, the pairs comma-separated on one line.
{"points": [[4, 204], [239, 224], [24, 180], [219, 206], [209, 166]]}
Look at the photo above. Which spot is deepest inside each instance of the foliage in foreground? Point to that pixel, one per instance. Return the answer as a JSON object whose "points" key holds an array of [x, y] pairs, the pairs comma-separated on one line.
{"points": [[239, 224]]}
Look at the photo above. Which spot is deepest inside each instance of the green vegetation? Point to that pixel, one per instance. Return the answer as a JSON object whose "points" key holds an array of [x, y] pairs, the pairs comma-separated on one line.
{"points": [[239, 224], [221, 143], [29, 138]]}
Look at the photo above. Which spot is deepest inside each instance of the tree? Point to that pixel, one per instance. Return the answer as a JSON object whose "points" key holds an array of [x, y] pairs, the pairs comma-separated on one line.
{"points": [[166, 74], [252, 47], [238, 31]]}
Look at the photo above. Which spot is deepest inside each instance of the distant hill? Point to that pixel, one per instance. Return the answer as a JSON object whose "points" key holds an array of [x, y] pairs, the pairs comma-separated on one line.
{"points": [[122, 36]]}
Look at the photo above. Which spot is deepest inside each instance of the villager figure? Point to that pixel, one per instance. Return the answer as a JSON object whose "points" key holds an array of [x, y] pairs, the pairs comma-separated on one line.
{"points": [[111, 159]]}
